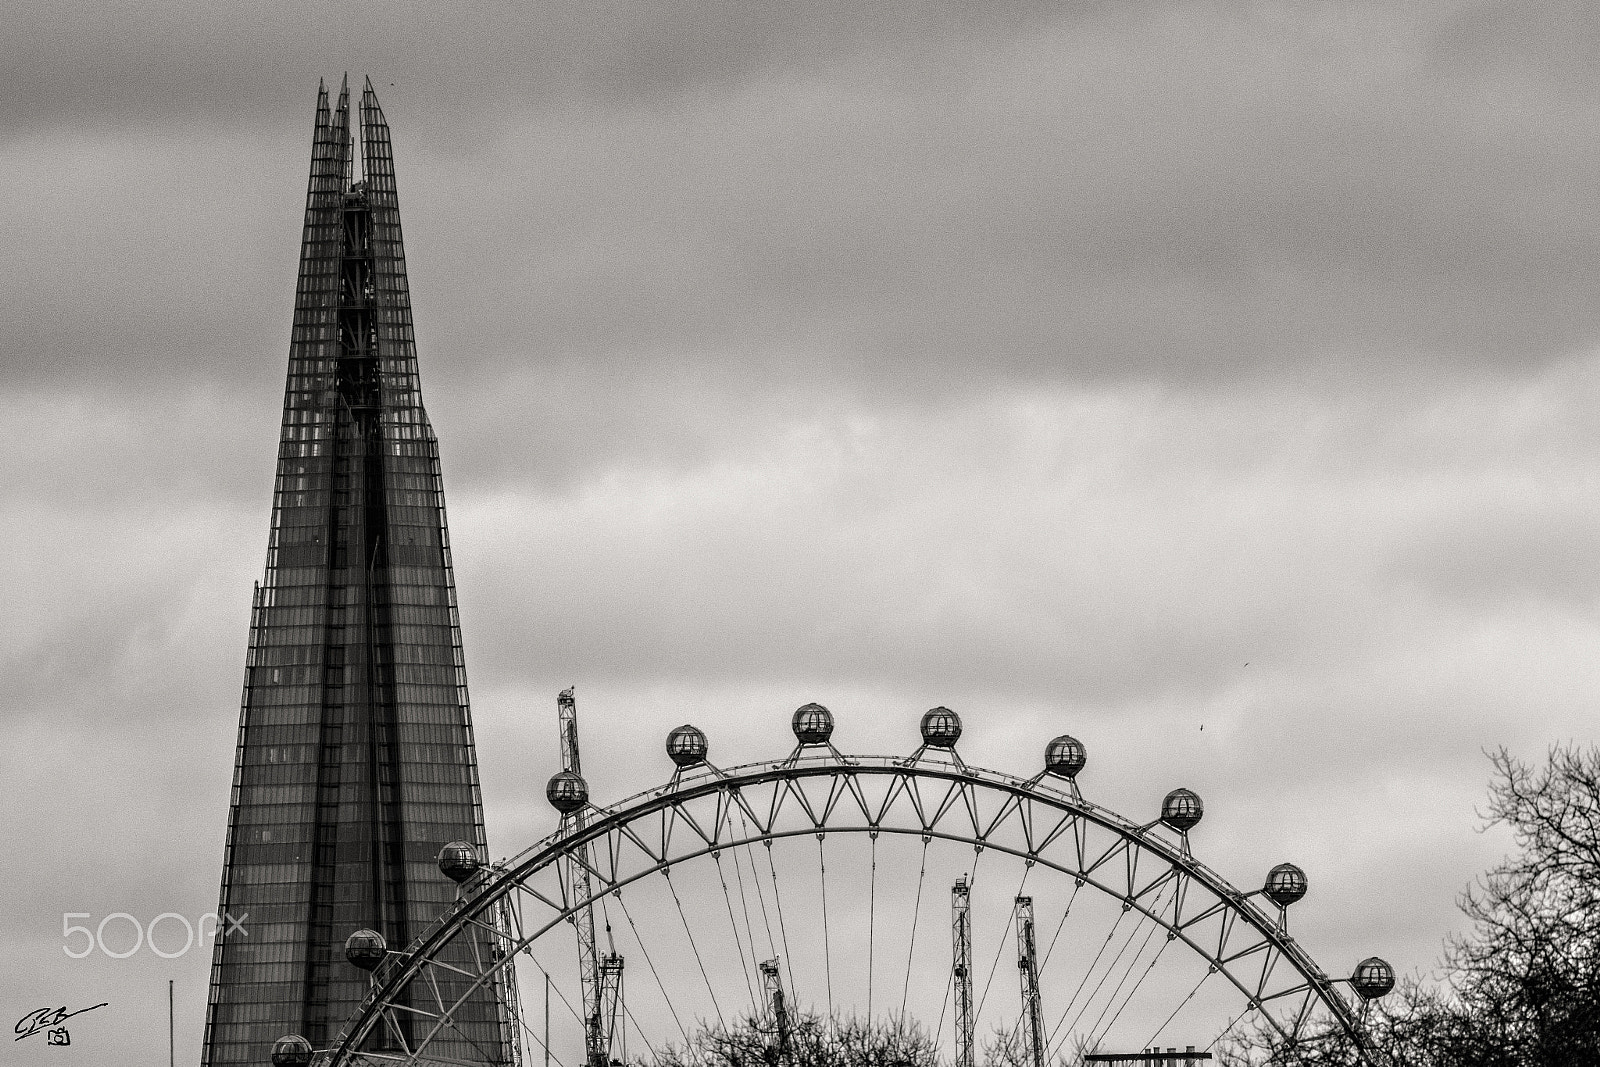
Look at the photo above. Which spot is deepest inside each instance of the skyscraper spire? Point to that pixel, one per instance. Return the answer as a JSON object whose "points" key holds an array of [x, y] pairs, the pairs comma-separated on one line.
{"points": [[355, 762]]}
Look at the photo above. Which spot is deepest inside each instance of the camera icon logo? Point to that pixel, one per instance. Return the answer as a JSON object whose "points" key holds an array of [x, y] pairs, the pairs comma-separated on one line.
{"points": [[58, 1036]]}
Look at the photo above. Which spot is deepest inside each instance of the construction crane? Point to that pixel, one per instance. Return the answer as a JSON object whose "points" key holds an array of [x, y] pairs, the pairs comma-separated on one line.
{"points": [[772, 986], [1028, 969], [612, 1002], [601, 978], [961, 937]]}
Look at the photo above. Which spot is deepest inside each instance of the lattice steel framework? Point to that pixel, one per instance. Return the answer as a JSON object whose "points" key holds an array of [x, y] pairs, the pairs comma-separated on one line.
{"points": [[1028, 974], [355, 761], [772, 994], [961, 967], [1033, 820], [597, 1029]]}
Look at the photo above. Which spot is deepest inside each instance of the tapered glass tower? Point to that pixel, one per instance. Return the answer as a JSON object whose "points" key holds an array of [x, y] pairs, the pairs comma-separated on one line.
{"points": [[355, 761]]}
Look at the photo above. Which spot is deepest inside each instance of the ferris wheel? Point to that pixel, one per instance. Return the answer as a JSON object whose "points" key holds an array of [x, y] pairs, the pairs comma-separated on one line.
{"points": [[1000, 919]]}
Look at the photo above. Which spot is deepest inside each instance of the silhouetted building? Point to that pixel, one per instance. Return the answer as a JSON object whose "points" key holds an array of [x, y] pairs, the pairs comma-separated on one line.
{"points": [[1151, 1057], [355, 761]]}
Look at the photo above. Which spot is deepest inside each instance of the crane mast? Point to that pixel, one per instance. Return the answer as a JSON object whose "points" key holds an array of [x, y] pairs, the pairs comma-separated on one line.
{"points": [[961, 938], [596, 1026], [1028, 969], [611, 1002], [772, 985]]}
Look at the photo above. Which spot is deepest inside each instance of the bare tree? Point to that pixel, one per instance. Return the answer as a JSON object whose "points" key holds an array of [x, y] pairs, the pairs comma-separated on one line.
{"points": [[1007, 1047], [1522, 987], [752, 1041]]}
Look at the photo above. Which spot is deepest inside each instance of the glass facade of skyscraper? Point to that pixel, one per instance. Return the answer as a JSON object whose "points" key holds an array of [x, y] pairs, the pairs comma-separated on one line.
{"points": [[355, 761]]}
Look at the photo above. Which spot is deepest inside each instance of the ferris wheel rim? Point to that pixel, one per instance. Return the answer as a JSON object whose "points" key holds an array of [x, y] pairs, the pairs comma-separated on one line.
{"points": [[500, 880]]}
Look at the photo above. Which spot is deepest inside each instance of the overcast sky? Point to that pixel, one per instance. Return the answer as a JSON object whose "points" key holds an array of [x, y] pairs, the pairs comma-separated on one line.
{"points": [[1116, 368]]}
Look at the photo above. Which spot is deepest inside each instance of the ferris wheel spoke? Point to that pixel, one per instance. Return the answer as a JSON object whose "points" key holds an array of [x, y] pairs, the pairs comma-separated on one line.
{"points": [[1111, 969], [650, 962], [538, 1040], [1005, 939], [1096, 1033], [694, 947], [744, 965], [1087, 974], [872, 920], [1045, 961], [1156, 1036], [628, 1013], [827, 951], [916, 914], [1226, 1030], [744, 906], [783, 930], [944, 1006], [556, 986], [761, 901]]}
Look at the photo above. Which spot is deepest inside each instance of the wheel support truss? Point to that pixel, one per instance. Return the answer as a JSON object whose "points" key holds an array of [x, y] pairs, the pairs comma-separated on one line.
{"points": [[702, 814]]}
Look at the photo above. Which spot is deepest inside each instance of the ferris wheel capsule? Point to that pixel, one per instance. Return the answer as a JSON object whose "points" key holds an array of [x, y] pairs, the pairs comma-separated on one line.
{"points": [[941, 728], [291, 1050], [1372, 978], [1285, 884], [812, 724], [1182, 810], [687, 746], [1065, 756], [458, 861], [566, 791], [365, 949]]}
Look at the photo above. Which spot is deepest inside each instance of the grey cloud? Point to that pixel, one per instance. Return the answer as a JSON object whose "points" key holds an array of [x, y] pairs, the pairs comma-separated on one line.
{"points": [[1197, 194], [231, 63], [876, 547], [1537, 553]]}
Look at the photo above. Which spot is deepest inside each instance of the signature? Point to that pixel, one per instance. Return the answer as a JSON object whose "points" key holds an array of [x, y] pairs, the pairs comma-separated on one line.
{"points": [[40, 1018]]}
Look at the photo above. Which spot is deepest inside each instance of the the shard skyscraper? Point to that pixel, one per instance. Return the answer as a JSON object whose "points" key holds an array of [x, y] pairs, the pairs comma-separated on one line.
{"points": [[355, 760]]}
